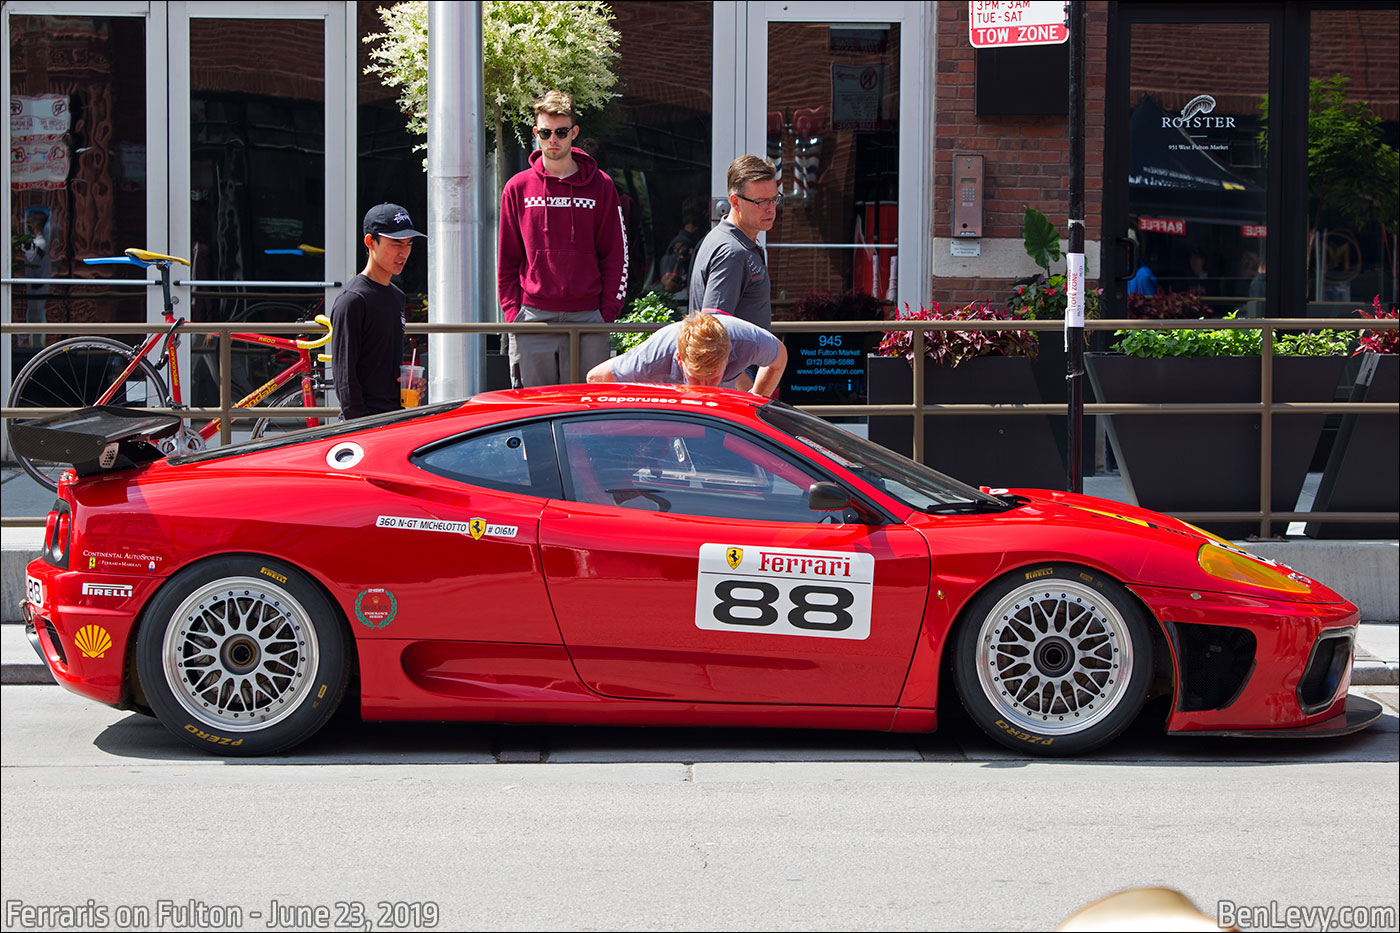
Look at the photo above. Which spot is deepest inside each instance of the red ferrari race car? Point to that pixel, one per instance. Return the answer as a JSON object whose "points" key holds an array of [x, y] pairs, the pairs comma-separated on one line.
{"points": [[648, 555]]}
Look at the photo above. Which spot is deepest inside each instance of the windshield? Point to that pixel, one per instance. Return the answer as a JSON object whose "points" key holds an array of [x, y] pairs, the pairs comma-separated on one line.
{"points": [[912, 483]]}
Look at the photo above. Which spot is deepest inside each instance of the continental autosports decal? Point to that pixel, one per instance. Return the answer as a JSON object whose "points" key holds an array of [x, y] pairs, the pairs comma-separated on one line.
{"points": [[476, 527], [747, 588]]}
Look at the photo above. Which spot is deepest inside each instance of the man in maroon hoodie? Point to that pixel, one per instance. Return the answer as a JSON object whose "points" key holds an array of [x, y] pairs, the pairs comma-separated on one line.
{"points": [[563, 250]]}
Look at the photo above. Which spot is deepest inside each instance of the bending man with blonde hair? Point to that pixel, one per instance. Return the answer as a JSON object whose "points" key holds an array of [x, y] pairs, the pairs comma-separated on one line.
{"points": [[705, 349]]}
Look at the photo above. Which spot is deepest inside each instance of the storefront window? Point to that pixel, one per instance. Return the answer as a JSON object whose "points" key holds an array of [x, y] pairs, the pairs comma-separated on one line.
{"points": [[257, 162], [1197, 172], [77, 165], [1352, 120], [833, 131], [655, 139]]}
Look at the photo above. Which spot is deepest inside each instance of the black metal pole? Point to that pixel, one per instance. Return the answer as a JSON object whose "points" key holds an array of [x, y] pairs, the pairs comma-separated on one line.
{"points": [[1074, 314]]}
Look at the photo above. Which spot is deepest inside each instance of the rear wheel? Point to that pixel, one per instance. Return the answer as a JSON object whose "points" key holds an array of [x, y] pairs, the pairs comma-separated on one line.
{"points": [[1054, 660], [242, 656], [282, 422], [75, 373]]}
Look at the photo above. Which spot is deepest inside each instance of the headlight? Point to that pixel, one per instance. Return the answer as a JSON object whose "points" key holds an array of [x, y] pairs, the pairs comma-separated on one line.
{"points": [[1238, 567]]}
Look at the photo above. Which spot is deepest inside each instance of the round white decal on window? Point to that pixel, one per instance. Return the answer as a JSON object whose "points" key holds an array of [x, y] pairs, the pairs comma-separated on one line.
{"points": [[344, 456]]}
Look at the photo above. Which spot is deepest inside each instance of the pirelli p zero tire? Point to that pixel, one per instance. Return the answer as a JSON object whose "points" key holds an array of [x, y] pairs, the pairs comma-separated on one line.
{"points": [[242, 656], [1053, 660]]}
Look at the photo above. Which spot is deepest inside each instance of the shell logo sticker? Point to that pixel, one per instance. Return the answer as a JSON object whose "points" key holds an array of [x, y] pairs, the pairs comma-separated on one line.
{"points": [[477, 527], [93, 641], [735, 557]]}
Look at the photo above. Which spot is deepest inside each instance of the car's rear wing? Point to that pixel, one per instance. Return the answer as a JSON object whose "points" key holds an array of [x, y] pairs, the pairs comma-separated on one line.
{"points": [[95, 440]]}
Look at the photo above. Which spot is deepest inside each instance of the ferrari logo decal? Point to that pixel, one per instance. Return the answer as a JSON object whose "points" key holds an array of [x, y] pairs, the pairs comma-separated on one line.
{"points": [[735, 556], [477, 527]]}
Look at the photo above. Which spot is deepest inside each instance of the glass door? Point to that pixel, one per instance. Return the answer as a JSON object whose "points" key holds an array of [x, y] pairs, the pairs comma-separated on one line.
{"points": [[836, 96], [1192, 195], [267, 213], [78, 183]]}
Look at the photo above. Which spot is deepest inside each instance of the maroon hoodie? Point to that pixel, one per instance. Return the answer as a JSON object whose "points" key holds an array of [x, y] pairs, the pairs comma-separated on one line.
{"points": [[563, 243]]}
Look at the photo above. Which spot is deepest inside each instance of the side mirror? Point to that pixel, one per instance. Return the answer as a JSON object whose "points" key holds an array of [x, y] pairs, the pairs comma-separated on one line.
{"points": [[827, 497]]}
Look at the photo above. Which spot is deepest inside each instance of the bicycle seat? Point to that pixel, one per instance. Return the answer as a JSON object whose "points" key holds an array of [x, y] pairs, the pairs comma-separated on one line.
{"points": [[149, 258]]}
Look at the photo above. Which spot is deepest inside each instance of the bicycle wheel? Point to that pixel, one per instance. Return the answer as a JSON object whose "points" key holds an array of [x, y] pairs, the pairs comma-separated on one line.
{"points": [[283, 423], [75, 373]]}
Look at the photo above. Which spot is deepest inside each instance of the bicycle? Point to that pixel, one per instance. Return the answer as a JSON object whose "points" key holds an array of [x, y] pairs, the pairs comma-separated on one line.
{"points": [[79, 373]]}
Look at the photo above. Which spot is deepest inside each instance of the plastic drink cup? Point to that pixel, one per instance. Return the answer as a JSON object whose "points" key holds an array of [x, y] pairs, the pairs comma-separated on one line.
{"points": [[410, 377]]}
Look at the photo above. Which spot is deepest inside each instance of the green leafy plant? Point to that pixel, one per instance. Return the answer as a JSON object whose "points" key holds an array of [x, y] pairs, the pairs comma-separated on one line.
{"points": [[825, 306], [528, 47], [1043, 296], [650, 308], [1378, 341], [951, 347], [1155, 344]]}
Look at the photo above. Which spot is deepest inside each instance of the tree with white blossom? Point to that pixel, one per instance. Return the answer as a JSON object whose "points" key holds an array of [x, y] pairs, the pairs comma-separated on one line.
{"points": [[528, 47]]}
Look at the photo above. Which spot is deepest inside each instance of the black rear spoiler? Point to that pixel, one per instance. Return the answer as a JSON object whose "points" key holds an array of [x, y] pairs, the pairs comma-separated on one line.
{"points": [[95, 440]]}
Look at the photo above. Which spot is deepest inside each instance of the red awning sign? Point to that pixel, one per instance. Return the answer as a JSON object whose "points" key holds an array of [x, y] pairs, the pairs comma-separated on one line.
{"points": [[1176, 226]]}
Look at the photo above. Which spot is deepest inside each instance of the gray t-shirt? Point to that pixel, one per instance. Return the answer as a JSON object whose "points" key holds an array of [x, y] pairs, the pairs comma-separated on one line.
{"points": [[730, 274], [655, 360]]}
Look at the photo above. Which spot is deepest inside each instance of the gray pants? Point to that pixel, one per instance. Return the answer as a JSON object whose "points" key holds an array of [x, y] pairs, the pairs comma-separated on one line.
{"points": [[543, 359]]}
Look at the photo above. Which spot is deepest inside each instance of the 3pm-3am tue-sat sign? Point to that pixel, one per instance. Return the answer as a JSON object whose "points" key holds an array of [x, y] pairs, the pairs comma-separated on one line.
{"points": [[993, 24]]}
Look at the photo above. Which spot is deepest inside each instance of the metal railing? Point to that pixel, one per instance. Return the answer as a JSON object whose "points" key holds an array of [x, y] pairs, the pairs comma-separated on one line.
{"points": [[918, 407]]}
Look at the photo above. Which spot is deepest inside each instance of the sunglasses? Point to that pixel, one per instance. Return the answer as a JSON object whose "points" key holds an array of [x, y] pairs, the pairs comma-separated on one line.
{"points": [[544, 132]]}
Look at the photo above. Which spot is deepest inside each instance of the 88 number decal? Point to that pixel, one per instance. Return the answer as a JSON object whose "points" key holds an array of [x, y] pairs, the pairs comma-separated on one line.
{"points": [[784, 591]]}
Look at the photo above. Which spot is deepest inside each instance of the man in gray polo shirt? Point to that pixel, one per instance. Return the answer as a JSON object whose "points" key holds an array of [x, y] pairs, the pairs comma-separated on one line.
{"points": [[730, 272], [702, 350]]}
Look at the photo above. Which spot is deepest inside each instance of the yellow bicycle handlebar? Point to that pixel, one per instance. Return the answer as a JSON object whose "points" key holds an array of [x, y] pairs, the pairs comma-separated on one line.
{"points": [[147, 256], [319, 341]]}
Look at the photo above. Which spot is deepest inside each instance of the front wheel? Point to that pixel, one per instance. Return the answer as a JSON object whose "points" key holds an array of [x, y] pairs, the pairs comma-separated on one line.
{"points": [[242, 656], [1054, 660], [77, 373]]}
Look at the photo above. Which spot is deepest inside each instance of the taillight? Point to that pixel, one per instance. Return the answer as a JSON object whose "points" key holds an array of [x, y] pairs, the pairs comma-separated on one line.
{"points": [[58, 534]]}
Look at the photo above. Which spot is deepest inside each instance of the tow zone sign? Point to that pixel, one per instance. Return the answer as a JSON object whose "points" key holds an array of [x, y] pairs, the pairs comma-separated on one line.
{"points": [[996, 24]]}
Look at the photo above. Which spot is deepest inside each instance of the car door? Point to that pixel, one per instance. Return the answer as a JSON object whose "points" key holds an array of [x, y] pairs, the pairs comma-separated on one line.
{"points": [[685, 564]]}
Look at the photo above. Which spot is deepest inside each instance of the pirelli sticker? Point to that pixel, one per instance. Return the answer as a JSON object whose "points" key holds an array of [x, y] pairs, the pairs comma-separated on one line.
{"points": [[761, 589]]}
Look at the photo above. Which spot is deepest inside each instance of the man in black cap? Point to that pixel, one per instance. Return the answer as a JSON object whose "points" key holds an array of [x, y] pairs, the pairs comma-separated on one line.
{"points": [[367, 319]]}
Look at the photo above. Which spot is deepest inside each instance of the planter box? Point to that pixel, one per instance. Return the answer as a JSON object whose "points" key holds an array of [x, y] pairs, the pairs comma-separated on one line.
{"points": [[984, 450], [1207, 462], [1365, 459]]}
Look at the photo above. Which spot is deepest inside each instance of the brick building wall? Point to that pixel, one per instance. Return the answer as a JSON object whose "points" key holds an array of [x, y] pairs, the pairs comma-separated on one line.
{"points": [[1025, 158]]}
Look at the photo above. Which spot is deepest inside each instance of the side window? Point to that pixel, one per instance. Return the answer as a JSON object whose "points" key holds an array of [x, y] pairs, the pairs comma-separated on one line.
{"points": [[684, 467], [519, 458]]}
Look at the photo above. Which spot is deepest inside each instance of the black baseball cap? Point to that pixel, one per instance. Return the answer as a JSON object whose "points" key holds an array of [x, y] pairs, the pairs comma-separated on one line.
{"points": [[391, 221]]}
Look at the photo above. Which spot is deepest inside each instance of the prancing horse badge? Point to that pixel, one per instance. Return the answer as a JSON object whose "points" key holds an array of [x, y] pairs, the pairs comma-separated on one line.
{"points": [[735, 556]]}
